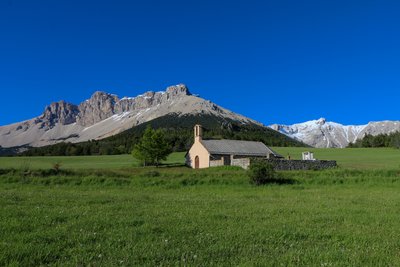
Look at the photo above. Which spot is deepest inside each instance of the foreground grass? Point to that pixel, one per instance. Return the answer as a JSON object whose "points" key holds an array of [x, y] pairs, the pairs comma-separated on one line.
{"points": [[178, 216], [104, 211]]}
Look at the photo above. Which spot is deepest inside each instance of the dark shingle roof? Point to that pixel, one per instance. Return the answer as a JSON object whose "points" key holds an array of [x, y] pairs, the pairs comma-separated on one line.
{"points": [[236, 147]]}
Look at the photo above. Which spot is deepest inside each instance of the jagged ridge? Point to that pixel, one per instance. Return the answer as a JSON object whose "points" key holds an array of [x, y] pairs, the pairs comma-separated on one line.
{"points": [[320, 133]]}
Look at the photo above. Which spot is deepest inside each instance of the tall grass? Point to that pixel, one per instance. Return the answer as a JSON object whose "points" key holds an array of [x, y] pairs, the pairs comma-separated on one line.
{"points": [[198, 217], [175, 176]]}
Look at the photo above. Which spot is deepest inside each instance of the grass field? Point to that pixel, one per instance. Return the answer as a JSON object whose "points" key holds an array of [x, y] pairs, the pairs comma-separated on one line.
{"points": [[102, 211], [81, 162]]}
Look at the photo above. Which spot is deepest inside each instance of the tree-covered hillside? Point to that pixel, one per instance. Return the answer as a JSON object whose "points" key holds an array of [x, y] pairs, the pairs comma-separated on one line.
{"points": [[178, 131], [11, 151]]}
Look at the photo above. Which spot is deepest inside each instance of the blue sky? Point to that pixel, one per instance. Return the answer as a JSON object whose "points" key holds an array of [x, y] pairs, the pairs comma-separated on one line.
{"points": [[274, 61]]}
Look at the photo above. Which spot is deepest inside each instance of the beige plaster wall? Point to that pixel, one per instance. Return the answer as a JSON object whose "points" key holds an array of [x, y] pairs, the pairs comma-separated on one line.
{"points": [[198, 150]]}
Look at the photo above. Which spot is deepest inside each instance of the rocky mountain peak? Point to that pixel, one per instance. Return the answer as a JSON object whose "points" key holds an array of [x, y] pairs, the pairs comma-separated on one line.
{"points": [[275, 127], [98, 107], [177, 90], [102, 105], [101, 95], [321, 121], [58, 112]]}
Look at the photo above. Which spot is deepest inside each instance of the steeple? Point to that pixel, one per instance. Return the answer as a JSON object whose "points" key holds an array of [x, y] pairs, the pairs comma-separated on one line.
{"points": [[198, 133]]}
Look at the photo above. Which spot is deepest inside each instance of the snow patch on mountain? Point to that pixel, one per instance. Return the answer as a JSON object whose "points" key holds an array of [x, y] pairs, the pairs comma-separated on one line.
{"points": [[322, 133]]}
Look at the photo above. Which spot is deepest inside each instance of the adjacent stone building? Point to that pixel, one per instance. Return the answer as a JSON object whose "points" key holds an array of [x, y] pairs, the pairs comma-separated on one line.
{"points": [[209, 153], [308, 155]]}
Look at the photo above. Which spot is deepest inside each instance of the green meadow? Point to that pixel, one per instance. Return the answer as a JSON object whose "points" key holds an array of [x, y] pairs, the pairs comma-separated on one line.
{"points": [[350, 158], [81, 162], [108, 211]]}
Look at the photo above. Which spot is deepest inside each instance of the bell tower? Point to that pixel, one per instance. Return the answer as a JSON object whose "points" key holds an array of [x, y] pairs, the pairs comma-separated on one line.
{"points": [[198, 133]]}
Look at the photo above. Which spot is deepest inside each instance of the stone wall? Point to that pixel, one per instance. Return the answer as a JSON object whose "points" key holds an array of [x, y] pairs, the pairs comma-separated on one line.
{"points": [[279, 164], [214, 163], [241, 162], [221, 160], [216, 160], [287, 165]]}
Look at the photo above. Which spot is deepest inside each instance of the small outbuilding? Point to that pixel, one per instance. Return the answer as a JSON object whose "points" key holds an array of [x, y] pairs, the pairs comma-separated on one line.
{"points": [[209, 153], [308, 155]]}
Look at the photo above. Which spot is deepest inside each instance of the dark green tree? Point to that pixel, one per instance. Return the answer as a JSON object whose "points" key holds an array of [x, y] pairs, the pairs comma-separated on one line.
{"points": [[395, 140], [152, 147], [261, 172]]}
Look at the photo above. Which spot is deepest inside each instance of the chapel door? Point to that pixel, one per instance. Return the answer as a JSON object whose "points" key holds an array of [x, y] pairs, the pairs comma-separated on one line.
{"points": [[227, 160], [196, 162]]}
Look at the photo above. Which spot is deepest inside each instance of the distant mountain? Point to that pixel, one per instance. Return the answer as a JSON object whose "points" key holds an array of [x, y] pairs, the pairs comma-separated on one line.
{"points": [[320, 133], [106, 115]]}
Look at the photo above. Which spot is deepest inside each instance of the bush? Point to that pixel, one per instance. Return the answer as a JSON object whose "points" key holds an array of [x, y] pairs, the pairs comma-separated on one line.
{"points": [[261, 172], [56, 166]]}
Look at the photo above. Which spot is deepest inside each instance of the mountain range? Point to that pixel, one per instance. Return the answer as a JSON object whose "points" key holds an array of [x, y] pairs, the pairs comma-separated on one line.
{"points": [[321, 133], [104, 116]]}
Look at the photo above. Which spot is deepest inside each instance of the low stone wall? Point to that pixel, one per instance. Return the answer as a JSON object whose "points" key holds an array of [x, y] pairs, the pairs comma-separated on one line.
{"points": [[241, 162], [214, 163], [288, 165]]}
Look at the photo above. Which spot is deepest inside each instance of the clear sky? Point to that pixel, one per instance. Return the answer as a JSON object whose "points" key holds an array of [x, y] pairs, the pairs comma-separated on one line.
{"points": [[274, 61]]}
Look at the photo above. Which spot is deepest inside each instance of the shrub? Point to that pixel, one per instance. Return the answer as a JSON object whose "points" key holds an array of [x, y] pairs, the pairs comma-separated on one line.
{"points": [[261, 172], [56, 166]]}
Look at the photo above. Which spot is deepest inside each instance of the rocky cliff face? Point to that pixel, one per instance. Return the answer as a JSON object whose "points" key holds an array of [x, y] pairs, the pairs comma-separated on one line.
{"points": [[97, 108], [320, 133], [58, 112], [105, 114], [103, 105]]}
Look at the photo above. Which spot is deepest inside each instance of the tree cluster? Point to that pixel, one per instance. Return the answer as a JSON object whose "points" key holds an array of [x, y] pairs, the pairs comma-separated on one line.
{"points": [[92, 147], [381, 140]]}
